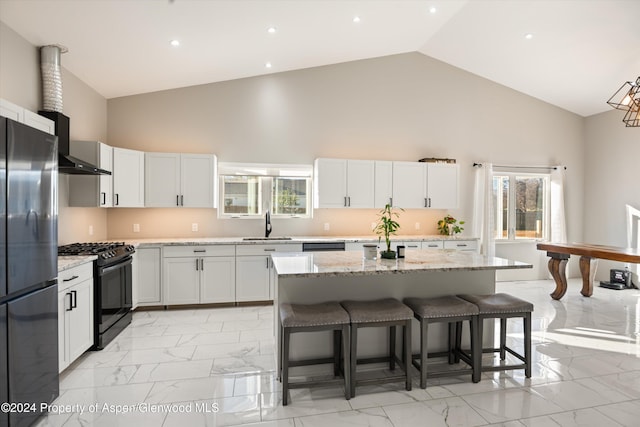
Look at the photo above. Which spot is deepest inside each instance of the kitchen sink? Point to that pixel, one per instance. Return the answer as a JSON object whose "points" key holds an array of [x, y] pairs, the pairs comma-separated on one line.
{"points": [[266, 238]]}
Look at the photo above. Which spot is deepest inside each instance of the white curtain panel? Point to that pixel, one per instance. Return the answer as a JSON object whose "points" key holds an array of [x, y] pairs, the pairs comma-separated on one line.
{"points": [[483, 209], [633, 234], [558, 219]]}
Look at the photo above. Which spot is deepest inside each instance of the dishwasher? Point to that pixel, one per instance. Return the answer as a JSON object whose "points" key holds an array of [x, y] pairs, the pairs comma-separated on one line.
{"points": [[323, 246]]}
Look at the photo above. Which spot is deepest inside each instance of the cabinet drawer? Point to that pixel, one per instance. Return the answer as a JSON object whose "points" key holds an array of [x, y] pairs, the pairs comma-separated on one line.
{"points": [[462, 245], [262, 249], [433, 245], [75, 275], [199, 251]]}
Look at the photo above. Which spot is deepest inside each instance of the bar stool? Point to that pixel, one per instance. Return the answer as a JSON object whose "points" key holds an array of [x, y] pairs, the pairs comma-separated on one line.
{"points": [[504, 306], [452, 310], [327, 316], [386, 312]]}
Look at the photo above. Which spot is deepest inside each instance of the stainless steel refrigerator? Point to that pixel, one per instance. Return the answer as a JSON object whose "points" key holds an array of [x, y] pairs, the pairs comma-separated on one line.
{"points": [[28, 270]]}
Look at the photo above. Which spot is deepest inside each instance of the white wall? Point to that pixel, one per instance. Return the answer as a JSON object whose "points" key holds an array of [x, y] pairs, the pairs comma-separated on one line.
{"points": [[613, 180], [401, 107]]}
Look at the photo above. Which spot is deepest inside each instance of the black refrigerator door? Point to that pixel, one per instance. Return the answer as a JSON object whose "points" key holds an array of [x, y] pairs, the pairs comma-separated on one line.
{"points": [[4, 384], [33, 351], [32, 212]]}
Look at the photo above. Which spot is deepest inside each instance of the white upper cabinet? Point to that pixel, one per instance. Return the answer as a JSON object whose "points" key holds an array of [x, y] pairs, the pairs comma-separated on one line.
{"points": [[11, 111], [22, 115], [425, 185], [409, 185], [128, 178], [179, 180], [383, 184], [442, 185], [91, 190], [341, 183]]}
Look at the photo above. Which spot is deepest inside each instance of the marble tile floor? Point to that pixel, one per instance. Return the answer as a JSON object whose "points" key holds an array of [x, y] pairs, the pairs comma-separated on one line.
{"points": [[215, 367]]}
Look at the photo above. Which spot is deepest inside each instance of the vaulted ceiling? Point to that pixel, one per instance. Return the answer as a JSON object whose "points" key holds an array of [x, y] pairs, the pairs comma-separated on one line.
{"points": [[570, 53]]}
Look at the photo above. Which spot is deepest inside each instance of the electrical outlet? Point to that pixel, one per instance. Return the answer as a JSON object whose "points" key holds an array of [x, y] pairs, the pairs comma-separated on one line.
{"points": [[194, 226], [91, 230], [136, 228], [417, 226], [326, 226]]}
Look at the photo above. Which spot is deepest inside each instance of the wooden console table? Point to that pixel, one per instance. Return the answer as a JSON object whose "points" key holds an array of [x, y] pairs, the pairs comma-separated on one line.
{"points": [[589, 254]]}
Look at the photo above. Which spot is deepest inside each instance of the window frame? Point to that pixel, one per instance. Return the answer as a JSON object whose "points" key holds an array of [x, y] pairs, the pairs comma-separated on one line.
{"points": [[512, 176], [266, 175]]}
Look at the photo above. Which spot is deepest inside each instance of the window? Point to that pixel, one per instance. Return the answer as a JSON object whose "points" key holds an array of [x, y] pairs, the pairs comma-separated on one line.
{"points": [[522, 205], [250, 190]]}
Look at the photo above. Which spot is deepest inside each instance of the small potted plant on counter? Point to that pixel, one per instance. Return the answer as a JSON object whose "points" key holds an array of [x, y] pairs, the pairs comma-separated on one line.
{"points": [[449, 225], [386, 226]]}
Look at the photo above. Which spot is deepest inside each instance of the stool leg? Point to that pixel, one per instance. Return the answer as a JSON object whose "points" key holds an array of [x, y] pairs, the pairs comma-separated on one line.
{"points": [[480, 341], [336, 352], [354, 357], [527, 345], [407, 352], [476, 350], [346, 343], [285, 366], [392, 348], [451, 354], [503, 337], [424, 329], [457, 346]]}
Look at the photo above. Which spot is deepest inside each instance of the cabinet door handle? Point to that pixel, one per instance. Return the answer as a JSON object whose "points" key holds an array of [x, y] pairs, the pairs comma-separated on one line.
{"points": [[390, 201], [461, 245], [177, 200], [425, 202], [412, 246], [197, 264], [117, 199], [201, 264], [349, 201], [432, 246], [70, 278], [70, 302], [429, 201], [181, 200], [104, 198], [199, 251], [345, 201], [74, 299], [269, 250]]}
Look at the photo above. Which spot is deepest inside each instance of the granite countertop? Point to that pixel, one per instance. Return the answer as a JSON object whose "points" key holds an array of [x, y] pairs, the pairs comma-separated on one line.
{"points": [[319, 264], [67, 262], [292, 240]]}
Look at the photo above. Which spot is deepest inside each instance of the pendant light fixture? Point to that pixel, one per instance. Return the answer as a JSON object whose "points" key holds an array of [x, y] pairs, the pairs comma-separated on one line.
{"points": [[627, 98]]}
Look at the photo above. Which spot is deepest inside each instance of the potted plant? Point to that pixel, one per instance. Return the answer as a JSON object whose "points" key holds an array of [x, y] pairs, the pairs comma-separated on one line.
{"points": [[449, 225], [386, 226]]}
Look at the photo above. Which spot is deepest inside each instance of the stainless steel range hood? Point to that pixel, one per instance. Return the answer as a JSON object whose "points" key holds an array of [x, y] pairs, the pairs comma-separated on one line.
{"points": [[68, 164]]}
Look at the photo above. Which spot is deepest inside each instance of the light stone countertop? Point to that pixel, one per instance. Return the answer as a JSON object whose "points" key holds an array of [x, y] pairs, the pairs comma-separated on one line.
{"points": [[352, 263], [294, 239], [66, 262]]}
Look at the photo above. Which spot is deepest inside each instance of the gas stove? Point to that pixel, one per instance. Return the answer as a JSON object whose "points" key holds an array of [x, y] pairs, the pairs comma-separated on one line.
{"points": [[107, 252]]}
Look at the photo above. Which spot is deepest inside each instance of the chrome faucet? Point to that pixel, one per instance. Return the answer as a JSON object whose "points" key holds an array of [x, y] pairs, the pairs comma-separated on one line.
{"points": [[267, 224]]}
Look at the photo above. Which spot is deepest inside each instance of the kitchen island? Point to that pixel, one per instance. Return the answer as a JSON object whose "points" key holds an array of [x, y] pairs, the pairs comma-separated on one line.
{"points": [[306, 278]]}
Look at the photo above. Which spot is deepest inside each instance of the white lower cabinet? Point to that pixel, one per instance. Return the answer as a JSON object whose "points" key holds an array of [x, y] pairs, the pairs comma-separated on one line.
{"points": [[198, 274], [75, 313], [253, 270], [147, 282]]}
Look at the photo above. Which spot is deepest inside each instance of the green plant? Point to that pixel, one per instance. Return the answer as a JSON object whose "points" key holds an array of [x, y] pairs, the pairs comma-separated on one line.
{"points": [[387, 225], [450, 225]]}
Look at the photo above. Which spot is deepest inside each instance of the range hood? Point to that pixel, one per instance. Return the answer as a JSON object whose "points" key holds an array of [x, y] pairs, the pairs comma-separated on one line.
{"points": [[68, 164]]}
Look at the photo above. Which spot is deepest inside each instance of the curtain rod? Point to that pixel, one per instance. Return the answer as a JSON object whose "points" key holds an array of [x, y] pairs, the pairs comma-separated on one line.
{"points": [[479, 165]]}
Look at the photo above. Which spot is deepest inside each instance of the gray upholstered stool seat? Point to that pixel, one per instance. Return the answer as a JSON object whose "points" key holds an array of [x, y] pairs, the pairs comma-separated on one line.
{"points": [[504, 306], [452, 310], [326, 316], [386, 312]]}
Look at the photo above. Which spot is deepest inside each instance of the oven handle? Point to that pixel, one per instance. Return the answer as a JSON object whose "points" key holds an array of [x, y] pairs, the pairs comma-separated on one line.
{"points": [[106, 270]]}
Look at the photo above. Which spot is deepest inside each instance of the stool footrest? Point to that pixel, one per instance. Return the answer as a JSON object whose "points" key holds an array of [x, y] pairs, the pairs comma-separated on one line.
{"points": [[383, 380], [308, 362], [308, 384], [503, 367]]}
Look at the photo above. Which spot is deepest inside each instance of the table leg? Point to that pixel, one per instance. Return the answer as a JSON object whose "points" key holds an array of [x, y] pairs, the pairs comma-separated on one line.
{"points": [[557, 268], [588, 267]]}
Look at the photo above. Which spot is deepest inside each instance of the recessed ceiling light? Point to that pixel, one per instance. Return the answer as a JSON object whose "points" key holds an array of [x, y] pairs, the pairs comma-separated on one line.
{"points": [[356, 19], [175, 43], [267, 65], [433, 10], [528, 36], [271, 30]]}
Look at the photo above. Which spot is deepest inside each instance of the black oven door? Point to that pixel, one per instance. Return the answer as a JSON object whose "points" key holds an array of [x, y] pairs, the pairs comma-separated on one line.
{"points": [[113, 293]]}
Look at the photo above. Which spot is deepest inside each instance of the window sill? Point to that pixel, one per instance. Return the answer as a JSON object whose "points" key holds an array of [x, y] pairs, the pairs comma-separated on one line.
{"points": [[520, 241]]}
